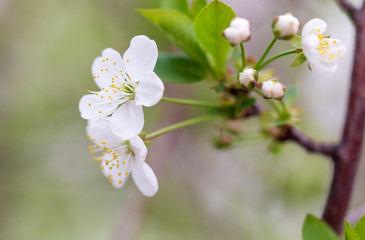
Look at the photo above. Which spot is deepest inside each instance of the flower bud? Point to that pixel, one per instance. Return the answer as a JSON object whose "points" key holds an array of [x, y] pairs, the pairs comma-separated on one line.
{"points": [[238, 31], [248, 77], [285, 26], [273, 89]]}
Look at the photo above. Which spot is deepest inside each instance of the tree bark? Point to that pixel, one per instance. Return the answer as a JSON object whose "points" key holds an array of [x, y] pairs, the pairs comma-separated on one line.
{"points": [[347, 157]]}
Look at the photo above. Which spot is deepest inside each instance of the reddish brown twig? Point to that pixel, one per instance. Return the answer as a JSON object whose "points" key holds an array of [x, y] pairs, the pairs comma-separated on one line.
{"points": [[348, 153]]}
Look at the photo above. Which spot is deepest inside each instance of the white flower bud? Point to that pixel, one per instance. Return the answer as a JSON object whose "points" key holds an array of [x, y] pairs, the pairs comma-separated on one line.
{"points": [[248, 77], [238, 31], [273, 89], [285, 26]]}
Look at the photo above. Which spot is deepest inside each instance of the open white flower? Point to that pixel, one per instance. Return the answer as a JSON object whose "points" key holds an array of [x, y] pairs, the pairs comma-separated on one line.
{"points": [[238, 31], [121, 157], [322, 52], [126, 85], [285, 26]]}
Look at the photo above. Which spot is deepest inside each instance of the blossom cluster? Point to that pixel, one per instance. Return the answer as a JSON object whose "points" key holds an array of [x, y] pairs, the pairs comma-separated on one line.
{"points": [[115, 114]]}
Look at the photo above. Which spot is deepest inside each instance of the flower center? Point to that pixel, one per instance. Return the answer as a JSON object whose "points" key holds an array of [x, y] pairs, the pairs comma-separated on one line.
{"points": [[328, 48]]}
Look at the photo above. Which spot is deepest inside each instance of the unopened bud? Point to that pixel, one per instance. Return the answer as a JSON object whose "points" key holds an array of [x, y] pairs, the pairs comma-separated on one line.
{"points": [[285, 26], [248, 77], [238, 31], [273, 89]]}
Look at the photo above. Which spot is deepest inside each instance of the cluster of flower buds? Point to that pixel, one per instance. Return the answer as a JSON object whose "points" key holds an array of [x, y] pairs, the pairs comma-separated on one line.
{"points": [[285, 26], [248, 77], [238, 31], [273, 89]]}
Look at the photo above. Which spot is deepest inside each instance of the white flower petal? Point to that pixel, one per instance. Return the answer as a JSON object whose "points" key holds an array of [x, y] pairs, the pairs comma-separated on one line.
{"points": [[99, 132], [139, 149], [116, 170], [314, 26], [150, 90], [127, 121], [108, 68], [140, 57], [93, 107], [145, 179]]}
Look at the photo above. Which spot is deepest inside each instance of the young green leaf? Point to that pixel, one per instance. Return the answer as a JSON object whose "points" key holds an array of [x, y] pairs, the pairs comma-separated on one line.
{"points": [[315, 229], [179, 28], [209, 26], [298, 60], [178, 69], [179, 5], [295, 42], [196, 7], [350, 233], [291, 95], [360, 228]]}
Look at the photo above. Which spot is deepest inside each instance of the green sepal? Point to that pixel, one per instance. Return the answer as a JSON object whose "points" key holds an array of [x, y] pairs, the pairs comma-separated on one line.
{"points": [[298, 60]]}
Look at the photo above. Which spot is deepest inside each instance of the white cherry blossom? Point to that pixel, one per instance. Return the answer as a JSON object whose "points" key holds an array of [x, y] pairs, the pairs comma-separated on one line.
{"points": [[238, 31], [125, 86], [321, 51], [120, 158]]}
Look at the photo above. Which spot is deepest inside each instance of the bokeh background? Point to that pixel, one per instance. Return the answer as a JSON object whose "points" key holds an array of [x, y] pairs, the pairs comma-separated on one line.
{"points": [[51, 189]]}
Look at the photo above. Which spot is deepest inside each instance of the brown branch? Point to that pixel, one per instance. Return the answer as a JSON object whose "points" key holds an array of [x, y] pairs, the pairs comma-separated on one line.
{"points": [[349, 9], [349, 151], [293, 134]]}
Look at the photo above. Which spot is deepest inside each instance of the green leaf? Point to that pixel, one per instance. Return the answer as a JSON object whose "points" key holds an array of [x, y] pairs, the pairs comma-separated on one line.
{"points": [[298, 60], [266, 74], [197, 6], [179, 28], [179, 5], [209, 26], [350, 233], [360, 228], [315, 229], [291, 95], [295, 41], [178, 69], [248, 103]]}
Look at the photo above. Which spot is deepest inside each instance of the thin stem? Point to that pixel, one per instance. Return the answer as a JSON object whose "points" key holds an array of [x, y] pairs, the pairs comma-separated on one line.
{"points": [[266, 52], [243, 56], [259, 67], [191, 102], [181, 125], [272, 104]]}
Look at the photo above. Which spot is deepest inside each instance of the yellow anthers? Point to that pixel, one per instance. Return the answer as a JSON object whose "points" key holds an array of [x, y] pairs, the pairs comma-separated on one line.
{"points": [[126, 173], [95, 159], [129, 77], [102, 96], [117, 165], [102, 142], [339, 50], [103, 88], [318, 30], [323, 52], [94, 76], [101, 167], [109, 176], [111, 180], [91, 147], [105, 148], [112, 78], [340, 57], [97, 76], [320, 36], [115, 155], [123, 84], [103, 60], [123, 162], [334, 41], [88, 91], [97, 145], [120, 181], [110, 168], [92, 151], [107, 59], [101, 70], [93, 139], [127, 60], [121, 70], [89, 104], [116, 76], [115, 63], [119, 173], [103, 153], [88, 136], [106, 90], [100, 111], [106, 69], [96, 94]]}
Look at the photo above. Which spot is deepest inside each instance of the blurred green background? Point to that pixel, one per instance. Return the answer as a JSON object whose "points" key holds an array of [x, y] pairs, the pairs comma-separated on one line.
{"points": [[51, 189]]}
